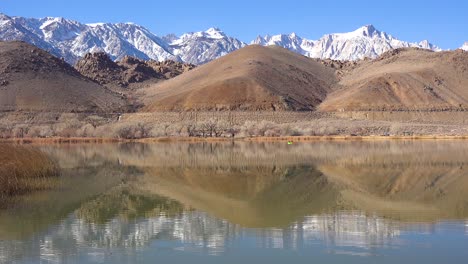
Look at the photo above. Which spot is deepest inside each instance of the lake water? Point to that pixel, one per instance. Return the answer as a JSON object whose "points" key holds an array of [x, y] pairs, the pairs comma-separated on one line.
{"points": [[323, 202]]}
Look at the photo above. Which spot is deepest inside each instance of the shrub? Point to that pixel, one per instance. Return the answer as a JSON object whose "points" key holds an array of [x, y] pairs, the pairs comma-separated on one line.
{"points": [[40, 131], [20, 131], [232, 131], [132, 130], [251, 128], [161, 130], [67, 132], [86, 131]]}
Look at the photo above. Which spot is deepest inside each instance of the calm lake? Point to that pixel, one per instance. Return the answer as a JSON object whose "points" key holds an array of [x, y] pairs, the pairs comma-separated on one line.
{"points": [[322, 202]]}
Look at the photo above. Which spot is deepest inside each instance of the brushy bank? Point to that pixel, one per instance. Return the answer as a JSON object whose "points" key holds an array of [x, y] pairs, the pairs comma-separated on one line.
{"points": [[218, 125], [24, 169]]}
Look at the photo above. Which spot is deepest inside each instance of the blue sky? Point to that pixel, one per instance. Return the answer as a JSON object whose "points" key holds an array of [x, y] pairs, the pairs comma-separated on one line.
{"points": [[444, 23]]}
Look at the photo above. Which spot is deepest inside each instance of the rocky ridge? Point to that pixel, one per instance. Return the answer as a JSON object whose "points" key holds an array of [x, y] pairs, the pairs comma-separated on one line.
{"points": [[103, 70]]}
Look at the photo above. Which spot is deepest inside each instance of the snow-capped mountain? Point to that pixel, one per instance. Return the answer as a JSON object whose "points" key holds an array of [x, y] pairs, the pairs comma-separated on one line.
{"points": [[71, 40], [204, 46], [14, 29], [465, 46], [122, 39], [364, 42], [291, 42]]}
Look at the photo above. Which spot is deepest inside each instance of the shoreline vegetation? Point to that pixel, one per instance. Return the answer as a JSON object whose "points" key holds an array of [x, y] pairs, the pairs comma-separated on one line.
{"points": [[50, 127], [295, 139], [25, 170]]}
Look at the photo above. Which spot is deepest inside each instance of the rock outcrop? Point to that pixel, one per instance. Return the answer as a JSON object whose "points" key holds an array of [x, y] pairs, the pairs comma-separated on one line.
{"points": [[100, 68]]}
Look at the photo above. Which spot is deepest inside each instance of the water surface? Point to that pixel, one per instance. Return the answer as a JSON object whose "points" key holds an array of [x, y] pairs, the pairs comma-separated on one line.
{"points": [[359, 202]]}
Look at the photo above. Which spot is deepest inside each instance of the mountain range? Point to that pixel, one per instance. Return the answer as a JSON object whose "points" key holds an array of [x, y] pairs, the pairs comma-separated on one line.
{"points": [[71, 40], [364, 42]]}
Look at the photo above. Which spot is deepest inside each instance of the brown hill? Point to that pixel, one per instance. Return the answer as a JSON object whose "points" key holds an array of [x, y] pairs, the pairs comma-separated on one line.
{"points": [[404, 79], [252, 78], [100, 68], [33, 80]]}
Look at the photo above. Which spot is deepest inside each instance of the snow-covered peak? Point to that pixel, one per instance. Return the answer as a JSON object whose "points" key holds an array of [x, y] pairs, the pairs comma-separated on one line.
{"points": [[204, 46], [289, 41], [259, 40], [59, 28], [169, 38], [215, 33], [293, 35], [465, 46], [425, 44], [278, 40], [365, 31], [211, 33], [4, 17]]}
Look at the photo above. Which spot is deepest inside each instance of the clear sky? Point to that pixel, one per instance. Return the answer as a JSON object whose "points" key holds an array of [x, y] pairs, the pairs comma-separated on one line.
{"points": [[444, 23]]}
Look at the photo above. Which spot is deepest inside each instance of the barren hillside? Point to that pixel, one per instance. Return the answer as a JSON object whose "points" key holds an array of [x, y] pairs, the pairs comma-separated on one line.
{"points": [[404, 79], [33, 80], [252, 78]]}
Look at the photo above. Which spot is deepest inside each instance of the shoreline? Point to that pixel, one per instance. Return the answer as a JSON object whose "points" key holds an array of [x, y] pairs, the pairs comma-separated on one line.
{"points": [[81, 140]]}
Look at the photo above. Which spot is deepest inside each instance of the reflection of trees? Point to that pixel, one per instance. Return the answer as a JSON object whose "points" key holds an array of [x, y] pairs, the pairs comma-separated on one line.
{"points": [[122, 202]]}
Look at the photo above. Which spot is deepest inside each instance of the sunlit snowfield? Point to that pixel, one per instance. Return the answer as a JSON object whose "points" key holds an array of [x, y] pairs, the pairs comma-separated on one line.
{"points": [[359, 202]]}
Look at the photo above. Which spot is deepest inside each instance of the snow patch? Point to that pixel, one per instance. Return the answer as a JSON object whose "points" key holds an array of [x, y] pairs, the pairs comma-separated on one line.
{"points": [[215, 33], [93, 25], [4, 22], [46, 24]]}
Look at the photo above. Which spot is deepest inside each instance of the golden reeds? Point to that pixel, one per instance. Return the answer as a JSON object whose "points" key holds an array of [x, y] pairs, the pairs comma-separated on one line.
{"points": [[24, 169]]}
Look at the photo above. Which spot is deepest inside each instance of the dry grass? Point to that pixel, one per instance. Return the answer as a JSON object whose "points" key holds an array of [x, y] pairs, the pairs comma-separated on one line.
{"points": [[77, 140], [24, 169], [62, 140]]}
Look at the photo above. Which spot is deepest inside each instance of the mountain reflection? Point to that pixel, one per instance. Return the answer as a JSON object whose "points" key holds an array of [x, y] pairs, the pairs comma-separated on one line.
{"points": [[206, 198], [197, 231]]}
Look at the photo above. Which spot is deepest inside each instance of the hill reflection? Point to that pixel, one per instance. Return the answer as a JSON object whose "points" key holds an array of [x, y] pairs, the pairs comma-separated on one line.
{"points": [[207, 197]]}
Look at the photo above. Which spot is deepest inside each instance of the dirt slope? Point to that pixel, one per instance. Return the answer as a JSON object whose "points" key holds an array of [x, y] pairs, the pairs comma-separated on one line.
{"points": [[252, 78], [404, 79], [33, 80]]}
